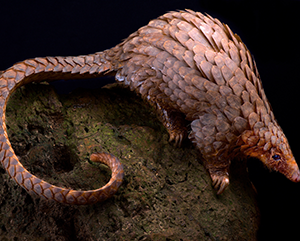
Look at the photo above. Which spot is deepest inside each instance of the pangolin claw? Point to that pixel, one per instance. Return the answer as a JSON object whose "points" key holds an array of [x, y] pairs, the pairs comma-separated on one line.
{"points": [[220, 183], [177, 137]]}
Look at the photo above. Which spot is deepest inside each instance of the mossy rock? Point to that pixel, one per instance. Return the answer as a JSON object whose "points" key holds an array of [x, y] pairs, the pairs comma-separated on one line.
{"points": [[166, 194]]}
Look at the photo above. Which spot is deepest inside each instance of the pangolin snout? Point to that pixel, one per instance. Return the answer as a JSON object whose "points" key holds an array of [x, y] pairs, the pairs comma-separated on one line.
{"points": [[295, 176], [292, 171]]}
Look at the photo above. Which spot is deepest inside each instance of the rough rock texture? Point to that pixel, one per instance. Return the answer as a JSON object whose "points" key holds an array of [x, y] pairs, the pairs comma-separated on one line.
{"points": [[166, 195]]}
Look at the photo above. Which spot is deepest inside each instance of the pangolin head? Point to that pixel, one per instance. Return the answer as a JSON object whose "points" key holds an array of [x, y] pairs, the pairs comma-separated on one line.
{"points": [[273, 150]]}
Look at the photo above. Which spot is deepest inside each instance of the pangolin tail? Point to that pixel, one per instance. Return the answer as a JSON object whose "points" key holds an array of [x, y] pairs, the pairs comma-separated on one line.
{"points": [[51, 68]]}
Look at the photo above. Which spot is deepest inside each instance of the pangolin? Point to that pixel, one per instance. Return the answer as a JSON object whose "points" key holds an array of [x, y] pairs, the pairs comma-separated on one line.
{"points": [[203, 83]]}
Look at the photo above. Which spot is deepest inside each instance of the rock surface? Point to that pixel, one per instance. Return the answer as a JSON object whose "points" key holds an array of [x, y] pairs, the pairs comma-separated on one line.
{"points": [[166, 194]]}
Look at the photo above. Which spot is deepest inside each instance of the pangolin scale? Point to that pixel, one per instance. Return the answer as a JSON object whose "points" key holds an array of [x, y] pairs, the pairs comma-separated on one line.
{"points": [[191, 68]]}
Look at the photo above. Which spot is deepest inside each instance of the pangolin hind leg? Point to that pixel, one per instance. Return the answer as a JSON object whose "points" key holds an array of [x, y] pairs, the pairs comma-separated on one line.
{"points": [[174, 121], [148, 88]]}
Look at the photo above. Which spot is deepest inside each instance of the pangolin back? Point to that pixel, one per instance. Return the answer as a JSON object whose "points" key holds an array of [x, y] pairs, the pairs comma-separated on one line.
{"points": [[190, 67]]}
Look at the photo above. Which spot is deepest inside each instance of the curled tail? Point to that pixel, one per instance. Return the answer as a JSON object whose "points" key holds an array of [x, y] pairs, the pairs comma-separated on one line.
{"points": [[50, 68]]}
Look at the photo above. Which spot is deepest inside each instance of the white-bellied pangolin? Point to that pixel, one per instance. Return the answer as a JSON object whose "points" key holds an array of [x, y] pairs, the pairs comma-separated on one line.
{"points": [[190, 67]]}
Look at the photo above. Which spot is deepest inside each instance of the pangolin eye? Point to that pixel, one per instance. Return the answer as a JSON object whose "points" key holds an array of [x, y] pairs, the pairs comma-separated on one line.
{"points": [[276, 157]]}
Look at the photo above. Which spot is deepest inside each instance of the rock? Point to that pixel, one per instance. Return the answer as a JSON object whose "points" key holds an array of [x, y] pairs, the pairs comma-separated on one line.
{"points": [[166, 194]]}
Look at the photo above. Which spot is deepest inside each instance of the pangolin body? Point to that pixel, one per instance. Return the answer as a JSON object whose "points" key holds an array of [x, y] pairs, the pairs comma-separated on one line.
{"points": [[190, 67]]}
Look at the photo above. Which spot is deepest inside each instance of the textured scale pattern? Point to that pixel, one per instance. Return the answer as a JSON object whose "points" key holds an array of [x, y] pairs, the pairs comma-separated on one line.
{"points": [[196, 73]]}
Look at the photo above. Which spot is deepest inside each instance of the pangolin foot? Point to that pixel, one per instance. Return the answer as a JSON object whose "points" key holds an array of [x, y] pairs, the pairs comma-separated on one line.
{"points": [[220, 182], [177, 136]]}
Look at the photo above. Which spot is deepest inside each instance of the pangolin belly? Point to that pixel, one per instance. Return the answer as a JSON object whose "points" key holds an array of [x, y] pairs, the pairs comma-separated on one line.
{"points": [[203, 83]]}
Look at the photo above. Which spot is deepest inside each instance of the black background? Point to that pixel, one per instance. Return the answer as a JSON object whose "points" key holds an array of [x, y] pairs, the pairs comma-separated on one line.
{"points": [[270, 29]]}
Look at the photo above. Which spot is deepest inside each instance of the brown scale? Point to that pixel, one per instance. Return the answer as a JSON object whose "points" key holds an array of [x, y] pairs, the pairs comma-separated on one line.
{"points": [[193, 69]]}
